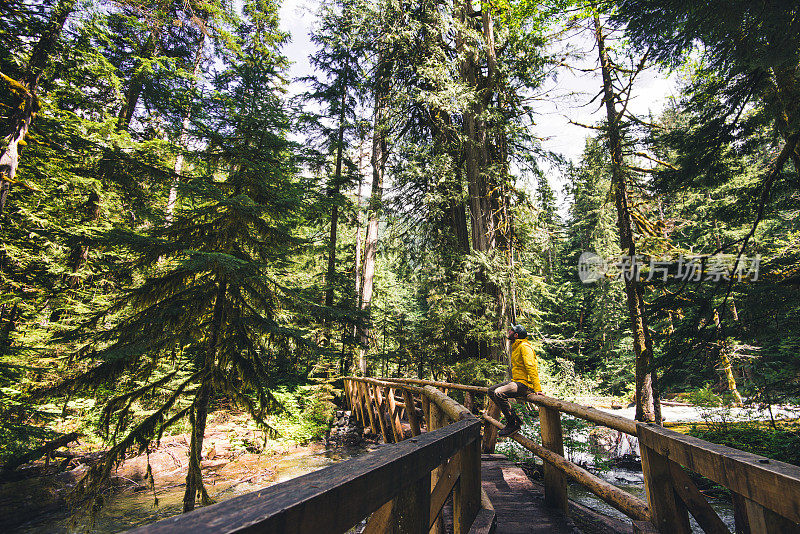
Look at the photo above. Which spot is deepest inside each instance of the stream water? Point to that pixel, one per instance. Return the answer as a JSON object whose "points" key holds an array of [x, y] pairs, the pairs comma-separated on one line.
{"points": [[126, 510], [632, 482]]}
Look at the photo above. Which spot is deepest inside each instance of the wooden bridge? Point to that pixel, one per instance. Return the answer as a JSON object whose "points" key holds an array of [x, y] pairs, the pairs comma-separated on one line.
{"points": [[436, 459]]}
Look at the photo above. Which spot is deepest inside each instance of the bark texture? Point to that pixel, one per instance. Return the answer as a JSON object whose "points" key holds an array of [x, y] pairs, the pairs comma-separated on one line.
{"points": [[642, 343]]}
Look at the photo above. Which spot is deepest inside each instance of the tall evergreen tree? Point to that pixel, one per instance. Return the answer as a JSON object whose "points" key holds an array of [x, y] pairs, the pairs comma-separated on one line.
{"points": [[206, 321]]}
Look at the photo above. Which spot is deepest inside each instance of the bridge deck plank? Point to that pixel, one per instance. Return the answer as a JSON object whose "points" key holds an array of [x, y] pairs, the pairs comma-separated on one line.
{"points": [[518, 502]]}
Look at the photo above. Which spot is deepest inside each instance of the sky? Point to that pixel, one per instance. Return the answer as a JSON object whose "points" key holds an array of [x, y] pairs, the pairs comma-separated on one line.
{"points": [[567, 96]]}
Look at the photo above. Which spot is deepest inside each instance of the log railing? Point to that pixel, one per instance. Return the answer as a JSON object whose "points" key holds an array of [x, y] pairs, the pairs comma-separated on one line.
{"points": [[765, 493]]}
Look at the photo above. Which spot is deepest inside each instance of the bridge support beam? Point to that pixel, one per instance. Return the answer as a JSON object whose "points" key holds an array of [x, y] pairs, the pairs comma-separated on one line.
{"points": [[467, 492], [670, 515], [489, 431], [555, 481]]}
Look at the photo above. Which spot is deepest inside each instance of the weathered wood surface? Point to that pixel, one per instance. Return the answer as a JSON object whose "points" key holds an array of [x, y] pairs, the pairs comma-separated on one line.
{"points": [[696, 502], [467, 493], [450, 407], [485, 522], [332, 499], [555, 481], [411, 411], [367, 398], [382, 420], [490, 431], [770, 483], [444, 485], [394, 417], [766, 492], [669, 514], [436, 420], [518, 503]]}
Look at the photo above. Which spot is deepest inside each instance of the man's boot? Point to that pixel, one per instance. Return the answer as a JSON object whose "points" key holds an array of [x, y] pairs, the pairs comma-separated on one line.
{"points": [[513, 424]]}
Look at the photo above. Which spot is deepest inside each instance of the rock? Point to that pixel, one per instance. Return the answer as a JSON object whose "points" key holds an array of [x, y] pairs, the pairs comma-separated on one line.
{"points": [[603, 440]]}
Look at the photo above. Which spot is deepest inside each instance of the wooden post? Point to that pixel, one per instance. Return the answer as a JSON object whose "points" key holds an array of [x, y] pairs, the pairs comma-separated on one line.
{"points": [[435, 421], [467, 492], [696, 502], [489, 431], [411, 411], [411, 509], [387, 438], [365, 409], [380, 520], [394, 419], [555, 482], [346, 384], [353, 402], [740, 514], [359, 404], [469, 400], [373, 409], [368, 402], [670, 516], [426, 412], [757, 519]]}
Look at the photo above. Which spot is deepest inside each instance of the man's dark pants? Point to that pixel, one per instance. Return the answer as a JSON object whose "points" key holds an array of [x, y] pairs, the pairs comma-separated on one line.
{"points": [[500, 393]]}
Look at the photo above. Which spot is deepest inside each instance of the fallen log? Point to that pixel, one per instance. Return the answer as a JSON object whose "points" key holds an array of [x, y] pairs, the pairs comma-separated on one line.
{"points": [[37, 453]]}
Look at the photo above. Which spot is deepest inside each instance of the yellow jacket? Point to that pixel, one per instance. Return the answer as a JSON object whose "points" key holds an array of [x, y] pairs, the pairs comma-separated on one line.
{"points": [[523, 365]]}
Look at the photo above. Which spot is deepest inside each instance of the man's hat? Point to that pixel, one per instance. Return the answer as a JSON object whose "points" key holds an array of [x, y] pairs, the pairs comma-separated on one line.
{"points": [[520, 331]]}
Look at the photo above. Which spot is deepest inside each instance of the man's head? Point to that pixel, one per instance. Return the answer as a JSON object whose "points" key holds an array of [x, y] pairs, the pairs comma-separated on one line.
{"points": [[517, 331]]}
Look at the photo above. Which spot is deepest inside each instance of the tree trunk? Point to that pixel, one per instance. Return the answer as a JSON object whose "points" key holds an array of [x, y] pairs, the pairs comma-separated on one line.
{"points": [[362, 364], [725, 365], [334, 194], [455, 212], [199, 413], [135, 87], [475, 143], [20, 119], [787, 107], [642, 344], [483, 155], [378, 160]]}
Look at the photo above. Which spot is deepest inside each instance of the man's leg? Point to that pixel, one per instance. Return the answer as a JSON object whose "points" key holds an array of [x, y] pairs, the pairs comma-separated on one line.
{"points": [[500, 395]]}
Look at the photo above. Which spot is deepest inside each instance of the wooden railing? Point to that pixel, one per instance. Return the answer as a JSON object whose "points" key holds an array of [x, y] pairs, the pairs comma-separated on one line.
{"points": [[399, 489], [377, 404], [765, 493]]}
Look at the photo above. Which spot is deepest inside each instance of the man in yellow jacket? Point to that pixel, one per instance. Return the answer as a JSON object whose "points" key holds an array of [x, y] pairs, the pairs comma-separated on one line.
{"points": [[524, 378]]}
